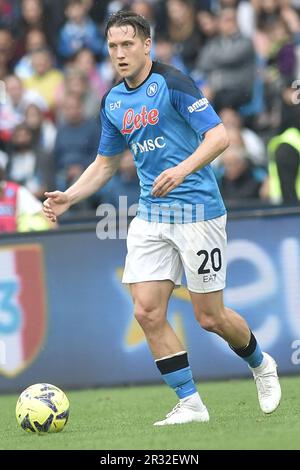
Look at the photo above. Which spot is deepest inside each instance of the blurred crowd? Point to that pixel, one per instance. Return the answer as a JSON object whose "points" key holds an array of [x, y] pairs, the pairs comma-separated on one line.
{"points": [[243, 54]]}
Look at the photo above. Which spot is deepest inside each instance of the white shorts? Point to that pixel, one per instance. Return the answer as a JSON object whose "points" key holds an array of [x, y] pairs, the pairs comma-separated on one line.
{"points": [[159, 251]]}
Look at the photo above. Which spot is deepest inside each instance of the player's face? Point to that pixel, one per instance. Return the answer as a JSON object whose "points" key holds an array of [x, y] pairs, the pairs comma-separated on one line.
{"points": [[128, 51]]}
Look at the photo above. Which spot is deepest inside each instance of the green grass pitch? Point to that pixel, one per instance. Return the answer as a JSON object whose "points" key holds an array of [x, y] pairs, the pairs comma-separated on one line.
{"points": [[121, 418]]}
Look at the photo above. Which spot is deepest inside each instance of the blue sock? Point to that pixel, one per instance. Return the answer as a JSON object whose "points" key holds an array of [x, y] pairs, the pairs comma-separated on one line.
{"points": [[177, 373], [251, 353]]}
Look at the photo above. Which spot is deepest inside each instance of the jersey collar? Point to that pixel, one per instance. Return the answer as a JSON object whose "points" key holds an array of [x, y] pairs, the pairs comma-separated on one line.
{"points": [[141, 84]]}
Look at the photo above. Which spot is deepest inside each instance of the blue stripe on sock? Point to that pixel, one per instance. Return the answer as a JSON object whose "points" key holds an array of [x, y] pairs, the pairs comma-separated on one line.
{"points": [[255, 359], [181, 381]]}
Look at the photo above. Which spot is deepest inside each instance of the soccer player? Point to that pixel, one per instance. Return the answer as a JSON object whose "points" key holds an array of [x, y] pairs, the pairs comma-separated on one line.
{"points": [[174, 134]]}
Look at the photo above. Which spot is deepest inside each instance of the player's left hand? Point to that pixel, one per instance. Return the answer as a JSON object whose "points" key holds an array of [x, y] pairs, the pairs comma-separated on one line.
{"points": [[167, 181]]}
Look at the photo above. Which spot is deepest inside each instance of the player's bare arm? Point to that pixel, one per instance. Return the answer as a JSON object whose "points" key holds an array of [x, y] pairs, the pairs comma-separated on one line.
{"points": [[214, 143], [93, 178]]}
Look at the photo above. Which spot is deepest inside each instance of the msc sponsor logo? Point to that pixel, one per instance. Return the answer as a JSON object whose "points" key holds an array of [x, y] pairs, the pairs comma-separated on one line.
{"points": [[199, 105], [152, 89], [148, 145], [133, 121]]}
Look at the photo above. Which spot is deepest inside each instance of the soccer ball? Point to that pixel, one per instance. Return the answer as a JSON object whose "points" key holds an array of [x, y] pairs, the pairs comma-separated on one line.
{"points": [[42, 408]]}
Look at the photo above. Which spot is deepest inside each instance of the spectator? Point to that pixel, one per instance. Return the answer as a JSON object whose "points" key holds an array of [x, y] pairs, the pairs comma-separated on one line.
{"points": [[208, 25], [99, 10], [144, 8], [46, 78], [79, 31], [43, 130], [165, 53], [236, 140], [86, 63], [7, 52], [241, 182], [124, 183], [228, 63], [181, 28], [245, 13], [290, 108], [19, 209], [76, 83], [55, 16], [115, 5], [12, 112], [76, 142], [8, 13], [254, 145], [267, 11], [34, 15], [3, 159], [284, 153], [281, 59], [26, 166], [35, 39], [108, 73]]}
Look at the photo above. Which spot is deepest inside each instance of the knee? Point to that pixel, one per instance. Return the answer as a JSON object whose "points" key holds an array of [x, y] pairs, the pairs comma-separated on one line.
{"points": [[212, 322], [148, 316]]}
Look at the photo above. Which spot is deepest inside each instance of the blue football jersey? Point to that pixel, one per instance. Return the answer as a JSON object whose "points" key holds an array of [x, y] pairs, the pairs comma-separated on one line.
{"points": [[163, 121]]}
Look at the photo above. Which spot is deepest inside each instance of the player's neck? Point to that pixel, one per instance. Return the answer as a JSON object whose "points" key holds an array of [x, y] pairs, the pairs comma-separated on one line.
{"points": [[134, 82]]}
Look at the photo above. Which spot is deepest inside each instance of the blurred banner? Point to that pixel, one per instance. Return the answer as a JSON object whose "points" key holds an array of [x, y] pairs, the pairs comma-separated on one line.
{"points": [[65, 317]]}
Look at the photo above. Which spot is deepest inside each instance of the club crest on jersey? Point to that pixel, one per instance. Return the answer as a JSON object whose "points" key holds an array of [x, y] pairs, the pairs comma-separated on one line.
{"points": [[133, 121], [152, 89]]}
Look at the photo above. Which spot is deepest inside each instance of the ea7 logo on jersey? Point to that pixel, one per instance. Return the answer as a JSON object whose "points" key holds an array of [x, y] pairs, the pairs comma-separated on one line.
{"points": [[115, 105], [132, 121], [199, 105]]}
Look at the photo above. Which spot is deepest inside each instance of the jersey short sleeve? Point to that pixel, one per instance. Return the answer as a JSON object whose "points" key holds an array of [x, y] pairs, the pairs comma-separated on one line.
{"points": [[190, 102], [111, 140]]}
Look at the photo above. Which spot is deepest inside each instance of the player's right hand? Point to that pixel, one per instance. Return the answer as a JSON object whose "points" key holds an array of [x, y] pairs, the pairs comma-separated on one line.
{"points": [[56, 204]]}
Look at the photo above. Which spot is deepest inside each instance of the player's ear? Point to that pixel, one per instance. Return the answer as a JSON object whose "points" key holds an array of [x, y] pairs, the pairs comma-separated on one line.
{"points": [[147, 45]]}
